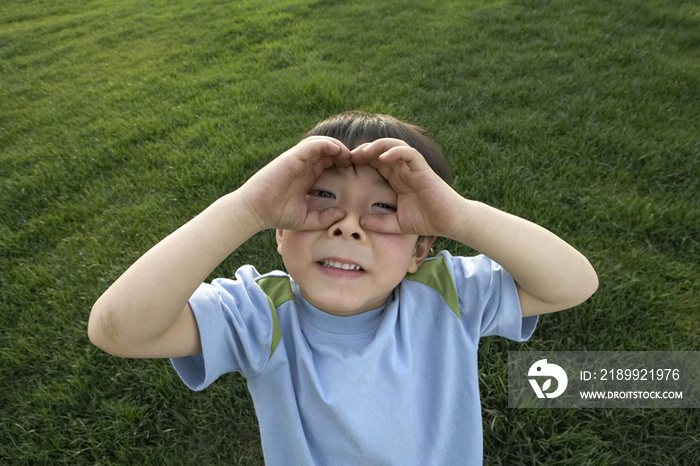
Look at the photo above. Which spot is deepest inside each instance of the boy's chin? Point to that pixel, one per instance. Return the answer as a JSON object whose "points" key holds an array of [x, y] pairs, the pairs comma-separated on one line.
{"points": [[342, 309]]}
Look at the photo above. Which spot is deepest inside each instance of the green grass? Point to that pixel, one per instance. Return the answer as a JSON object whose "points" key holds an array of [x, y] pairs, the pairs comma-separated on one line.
{"points": [[119, 121]]}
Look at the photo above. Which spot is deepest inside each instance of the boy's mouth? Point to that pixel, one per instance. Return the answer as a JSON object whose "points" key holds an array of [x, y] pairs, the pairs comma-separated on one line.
{"points": [[340, 265]]}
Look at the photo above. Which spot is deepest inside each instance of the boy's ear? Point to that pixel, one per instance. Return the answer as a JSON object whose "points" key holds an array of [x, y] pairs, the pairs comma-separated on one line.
{"points": [[420, 252], [278, 237]]}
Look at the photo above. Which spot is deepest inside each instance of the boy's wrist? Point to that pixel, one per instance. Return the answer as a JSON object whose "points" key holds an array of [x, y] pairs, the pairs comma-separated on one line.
{"points": [[468, 226], [242, 214]]}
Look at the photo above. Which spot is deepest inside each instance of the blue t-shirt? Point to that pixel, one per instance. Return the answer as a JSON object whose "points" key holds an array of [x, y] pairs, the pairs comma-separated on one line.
{"points": [[393, 386]]}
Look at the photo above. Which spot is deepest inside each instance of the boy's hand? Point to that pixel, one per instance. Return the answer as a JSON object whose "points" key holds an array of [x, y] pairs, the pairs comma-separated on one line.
{"points": [[426, 204], [276, 195]]}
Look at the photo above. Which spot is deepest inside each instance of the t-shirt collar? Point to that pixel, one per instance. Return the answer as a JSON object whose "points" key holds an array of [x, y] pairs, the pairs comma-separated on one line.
{"points": [[338, 325]]}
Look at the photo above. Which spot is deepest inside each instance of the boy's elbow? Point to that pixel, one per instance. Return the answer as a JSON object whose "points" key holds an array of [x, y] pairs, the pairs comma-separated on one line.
{"points": [[591, 283], [102, 329], [586, 286], [576, 290]]}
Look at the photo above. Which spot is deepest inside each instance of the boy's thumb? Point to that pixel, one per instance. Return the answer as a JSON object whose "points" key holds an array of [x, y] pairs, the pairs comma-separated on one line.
{"points": [[386, 223], [322, 219]]}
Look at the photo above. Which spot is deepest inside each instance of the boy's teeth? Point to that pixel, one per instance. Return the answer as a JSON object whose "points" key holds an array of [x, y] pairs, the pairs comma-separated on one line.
{"points": [[340, 265]]}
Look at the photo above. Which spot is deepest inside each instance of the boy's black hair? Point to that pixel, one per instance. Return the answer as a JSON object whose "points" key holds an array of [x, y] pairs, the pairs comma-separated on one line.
{"points": [[354, 128]]}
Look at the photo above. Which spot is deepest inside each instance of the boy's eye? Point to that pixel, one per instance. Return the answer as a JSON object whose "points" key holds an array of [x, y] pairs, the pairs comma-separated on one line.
{"points": [[384, 206], [322, 193]]}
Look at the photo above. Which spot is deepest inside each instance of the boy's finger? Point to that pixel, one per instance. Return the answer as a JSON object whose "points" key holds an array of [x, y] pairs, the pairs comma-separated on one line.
{"points": [[360, 148], [388, 224], [322, 219], [373, 149], [325, 138], [388, 153], [327, 146], [411, 157]]}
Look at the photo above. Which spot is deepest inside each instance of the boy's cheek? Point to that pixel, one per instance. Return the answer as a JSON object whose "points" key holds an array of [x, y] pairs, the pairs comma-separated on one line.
{"points": [[291, 243]]}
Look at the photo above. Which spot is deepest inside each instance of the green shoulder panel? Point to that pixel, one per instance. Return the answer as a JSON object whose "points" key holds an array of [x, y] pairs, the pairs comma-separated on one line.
{"points": [[436, 274], [278, 291]]}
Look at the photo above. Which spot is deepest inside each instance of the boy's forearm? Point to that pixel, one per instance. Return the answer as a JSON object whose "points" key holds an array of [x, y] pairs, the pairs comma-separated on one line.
{"points": [[147, 299], [542, 264]]}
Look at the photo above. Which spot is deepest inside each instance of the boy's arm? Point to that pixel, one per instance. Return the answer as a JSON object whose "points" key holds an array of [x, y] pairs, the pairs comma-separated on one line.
{"points": [[550, 274], [145, 313]]}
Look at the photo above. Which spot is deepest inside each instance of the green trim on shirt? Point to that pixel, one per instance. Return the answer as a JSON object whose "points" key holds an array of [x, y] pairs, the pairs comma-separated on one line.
{"points": [[278, 291], [436, 274]]}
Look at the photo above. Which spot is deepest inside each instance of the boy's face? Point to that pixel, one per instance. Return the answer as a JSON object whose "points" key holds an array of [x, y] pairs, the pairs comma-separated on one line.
{"points": [[344, 269]]}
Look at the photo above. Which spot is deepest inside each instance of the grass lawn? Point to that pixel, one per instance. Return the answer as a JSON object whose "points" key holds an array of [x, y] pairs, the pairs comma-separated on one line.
{"points": [[120, 121]]}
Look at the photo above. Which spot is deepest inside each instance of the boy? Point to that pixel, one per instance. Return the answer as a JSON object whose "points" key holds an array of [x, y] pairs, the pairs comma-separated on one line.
{"points": [[366, 352]]}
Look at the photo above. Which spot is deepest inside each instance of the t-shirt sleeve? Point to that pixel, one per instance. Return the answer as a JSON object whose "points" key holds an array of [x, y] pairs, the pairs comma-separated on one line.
{"points": [[488, 298], [235, 327]]}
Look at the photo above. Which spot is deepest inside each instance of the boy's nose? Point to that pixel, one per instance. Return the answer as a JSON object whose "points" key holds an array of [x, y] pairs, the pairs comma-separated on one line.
{"points": [[339, 232], [349, 227]]}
